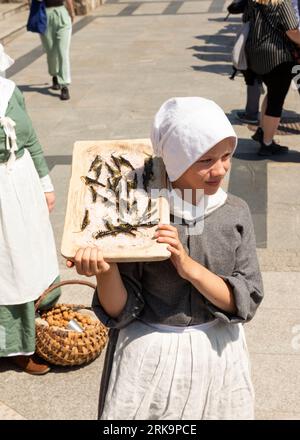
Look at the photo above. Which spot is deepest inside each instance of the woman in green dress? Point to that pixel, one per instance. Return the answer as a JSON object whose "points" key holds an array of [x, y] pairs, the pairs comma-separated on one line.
{"points": [[27, 249]]}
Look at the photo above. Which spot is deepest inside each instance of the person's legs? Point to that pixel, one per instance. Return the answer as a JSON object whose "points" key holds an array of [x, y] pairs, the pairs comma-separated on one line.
{"points": [[269, 126], [17, 338], [254, 89], [63, 41], [48, 42], [253, 96], [278, 82]]}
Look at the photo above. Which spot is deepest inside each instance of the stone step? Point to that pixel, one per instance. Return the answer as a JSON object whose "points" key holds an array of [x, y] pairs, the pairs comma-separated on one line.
{"points": [[13, 26], [9, 9]]}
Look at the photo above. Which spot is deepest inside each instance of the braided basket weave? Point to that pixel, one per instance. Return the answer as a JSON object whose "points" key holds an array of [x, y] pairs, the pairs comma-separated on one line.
{"points": [[61, 346]]}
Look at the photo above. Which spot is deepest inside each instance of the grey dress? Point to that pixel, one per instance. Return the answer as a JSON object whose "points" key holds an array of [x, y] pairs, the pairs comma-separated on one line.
{"points": [[158, 295]]}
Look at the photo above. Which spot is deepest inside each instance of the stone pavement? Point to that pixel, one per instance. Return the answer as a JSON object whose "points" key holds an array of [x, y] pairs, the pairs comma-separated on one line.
{"points": [[127, 58]]}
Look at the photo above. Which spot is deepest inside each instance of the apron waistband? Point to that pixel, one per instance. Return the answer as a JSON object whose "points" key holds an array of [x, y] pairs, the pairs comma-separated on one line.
{"points": [[178, 329]]}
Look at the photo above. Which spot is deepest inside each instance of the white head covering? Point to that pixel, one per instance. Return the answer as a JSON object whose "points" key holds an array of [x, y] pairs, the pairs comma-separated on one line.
{"points": [[184, 129], [7, 88], [5, 60]]}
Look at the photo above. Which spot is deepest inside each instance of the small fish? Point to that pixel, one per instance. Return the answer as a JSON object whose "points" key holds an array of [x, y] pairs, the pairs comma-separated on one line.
{"points": [[96, 162], [109, 225], [115, 182], [111, 170], [94, 193], [97, 170], [105, 199], [86, 220], [134, 204], [122, 228], [117, 162], [148, 211], [126, 162], [148, 172], [88, 181], [118, 205], [131, 184], [101, 234]]}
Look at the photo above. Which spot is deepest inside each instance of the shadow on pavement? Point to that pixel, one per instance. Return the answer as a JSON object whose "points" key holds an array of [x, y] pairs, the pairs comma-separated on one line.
{"points": [[44, 89], [217, 48], [7, 365]]}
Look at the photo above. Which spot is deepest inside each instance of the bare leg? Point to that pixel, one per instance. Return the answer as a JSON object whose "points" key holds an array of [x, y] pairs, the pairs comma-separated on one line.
{"points": [[263, 110], [270, 125]]}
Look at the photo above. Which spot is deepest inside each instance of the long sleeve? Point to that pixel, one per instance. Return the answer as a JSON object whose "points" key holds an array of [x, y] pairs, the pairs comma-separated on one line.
{"points": [[131, 274], [245, 280], [32, 144]]}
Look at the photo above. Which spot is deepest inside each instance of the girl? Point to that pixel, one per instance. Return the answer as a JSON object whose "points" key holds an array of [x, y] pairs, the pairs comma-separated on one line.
{"points": [[177, 348], [27, 250]]}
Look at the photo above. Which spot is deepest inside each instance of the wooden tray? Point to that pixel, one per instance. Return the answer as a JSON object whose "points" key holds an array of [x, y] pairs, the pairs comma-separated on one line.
{"points": [[88, 215]]}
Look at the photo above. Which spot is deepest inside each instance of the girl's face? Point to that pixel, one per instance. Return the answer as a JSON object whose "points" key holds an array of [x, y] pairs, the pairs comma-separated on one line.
{"points": [[208, 172]]}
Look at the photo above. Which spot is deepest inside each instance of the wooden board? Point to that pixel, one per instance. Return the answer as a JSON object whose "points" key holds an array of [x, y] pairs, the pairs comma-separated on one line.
{"points": [[90, 218]]}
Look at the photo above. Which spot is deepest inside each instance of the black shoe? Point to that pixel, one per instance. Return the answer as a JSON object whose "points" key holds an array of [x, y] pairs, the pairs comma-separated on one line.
{"points": [[55, 85], [65, 95], [247, 119], [258, 136], [273, 148]]}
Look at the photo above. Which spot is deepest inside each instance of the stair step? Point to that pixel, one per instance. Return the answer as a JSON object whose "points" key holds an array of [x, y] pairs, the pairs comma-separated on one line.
{"points": [[9, 9], [13, 26]]}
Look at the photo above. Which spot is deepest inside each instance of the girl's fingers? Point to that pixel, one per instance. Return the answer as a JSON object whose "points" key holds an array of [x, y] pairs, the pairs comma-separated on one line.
{"points": [[101, 263], [173, 250], [89, 261], [87, 257], [78, 260], [70, 263], [172, 241], [93, 262], [166, 227], [166, 233]]}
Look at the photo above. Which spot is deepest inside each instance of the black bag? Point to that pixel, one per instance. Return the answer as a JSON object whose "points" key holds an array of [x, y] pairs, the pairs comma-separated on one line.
{"points": [[237, 6]]}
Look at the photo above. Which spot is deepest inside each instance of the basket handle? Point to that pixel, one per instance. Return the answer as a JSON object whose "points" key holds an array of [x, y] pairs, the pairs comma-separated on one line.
{"points": [[61, 283]]}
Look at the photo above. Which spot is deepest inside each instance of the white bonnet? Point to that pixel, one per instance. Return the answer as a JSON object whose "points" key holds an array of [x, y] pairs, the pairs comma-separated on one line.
{"points": [[184, 129], [5, 60]]}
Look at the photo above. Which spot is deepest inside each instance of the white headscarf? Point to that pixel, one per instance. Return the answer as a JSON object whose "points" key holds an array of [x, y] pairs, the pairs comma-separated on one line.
{"points": [[184, 129], [7, 88], [5, 60]]}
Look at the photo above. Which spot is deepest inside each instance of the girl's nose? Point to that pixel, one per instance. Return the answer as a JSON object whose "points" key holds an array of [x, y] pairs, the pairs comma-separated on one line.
{"points": [[219, 169]]}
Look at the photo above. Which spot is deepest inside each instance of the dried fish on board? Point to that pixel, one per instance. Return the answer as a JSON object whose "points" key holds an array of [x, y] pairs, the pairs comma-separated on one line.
{"points": [[86, 220], [148, 172], [88, 181]]}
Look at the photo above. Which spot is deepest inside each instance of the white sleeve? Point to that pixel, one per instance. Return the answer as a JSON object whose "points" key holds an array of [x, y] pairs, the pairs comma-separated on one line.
{"points": [[46, 183]]}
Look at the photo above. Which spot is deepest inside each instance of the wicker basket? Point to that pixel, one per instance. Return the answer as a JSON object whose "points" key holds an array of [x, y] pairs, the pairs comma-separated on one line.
{"points": [[61, 346]]}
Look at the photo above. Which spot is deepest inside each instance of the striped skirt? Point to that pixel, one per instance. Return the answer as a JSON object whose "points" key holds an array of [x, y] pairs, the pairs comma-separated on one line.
{"points": [[173, 373]]}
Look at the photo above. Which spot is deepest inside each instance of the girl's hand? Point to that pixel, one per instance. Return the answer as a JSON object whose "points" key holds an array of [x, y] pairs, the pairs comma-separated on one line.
{"points": [[168, 234], [89, 262], [50, 199]]}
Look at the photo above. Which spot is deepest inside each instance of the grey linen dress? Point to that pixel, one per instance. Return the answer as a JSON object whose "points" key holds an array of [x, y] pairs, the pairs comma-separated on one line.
{"points": [[158, 296]]}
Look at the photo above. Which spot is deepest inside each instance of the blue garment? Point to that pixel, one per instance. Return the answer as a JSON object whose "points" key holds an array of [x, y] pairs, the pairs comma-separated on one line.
{"points": [[296, 6], [37, 21]]}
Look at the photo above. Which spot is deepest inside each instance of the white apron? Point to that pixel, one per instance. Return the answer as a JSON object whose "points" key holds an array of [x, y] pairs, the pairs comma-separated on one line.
{"points": [[28, 258], [180, 373]]}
